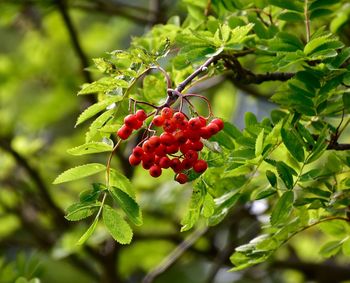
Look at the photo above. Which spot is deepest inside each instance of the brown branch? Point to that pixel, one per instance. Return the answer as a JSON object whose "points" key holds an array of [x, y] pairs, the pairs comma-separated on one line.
{"points": [[5, 144], [339, 146], [62, 7]]}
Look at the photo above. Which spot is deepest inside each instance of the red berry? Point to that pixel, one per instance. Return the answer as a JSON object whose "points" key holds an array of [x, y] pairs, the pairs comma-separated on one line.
{"points": [[176, 165], [179, 117], [138, 125], [160, 150], [167, 112], [191, 155], [155, 171], [147, 147], [147, 160], [141, 115], [181, 178], [194, 124], [197, 145], [133, 160], [205, 132], [173, 148], [169, 125], [185, 147], [124, 132], [164, 162], [157, 159], [200, 166], [218, 122], [131, 121], [193, 135], [167, 139], [180, 137], [158, 120], [186, 163], [213, 128], [203, 121], [154, 141], [182, 125], [138, 151]]}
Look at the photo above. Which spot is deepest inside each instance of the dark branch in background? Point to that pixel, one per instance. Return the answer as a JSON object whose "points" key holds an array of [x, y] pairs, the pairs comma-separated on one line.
{"points": [[62, 7], [5, 144], [134, 13], [339, 146], [245, 76]]}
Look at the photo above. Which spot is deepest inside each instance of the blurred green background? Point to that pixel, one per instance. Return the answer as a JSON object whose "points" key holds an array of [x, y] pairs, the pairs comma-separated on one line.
{"points": [[45, 53]]}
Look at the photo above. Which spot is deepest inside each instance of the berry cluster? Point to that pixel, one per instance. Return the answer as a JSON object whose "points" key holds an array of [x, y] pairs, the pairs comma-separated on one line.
{"points": [[132, 122], [176, 148]]}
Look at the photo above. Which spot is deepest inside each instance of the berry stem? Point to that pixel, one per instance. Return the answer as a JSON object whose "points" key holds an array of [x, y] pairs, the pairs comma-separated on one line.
{"points": [[189, 79], [202, 97]]}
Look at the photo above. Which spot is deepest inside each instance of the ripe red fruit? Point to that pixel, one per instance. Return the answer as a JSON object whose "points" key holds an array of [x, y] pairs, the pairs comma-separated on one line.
{"points": [[147, 147], [131, 121], [133, 160], [186, 164], [158, 120], [160, 150], [138, 125], [205, 132], [169, 125], [218, 122], [203, 121], [194, 124], [124, 132], [193, 135], [180, 137], [167, 112], [147, 160], [213, 128], [191, 155], [181, 178], [176, 165], [164, 162], [137, 151], [184, 148], [197, 145], [179, 117], [154, 141], [141, 115], [200, 166], [173, 148], [182, 125], [155, 171], [167, 139]]}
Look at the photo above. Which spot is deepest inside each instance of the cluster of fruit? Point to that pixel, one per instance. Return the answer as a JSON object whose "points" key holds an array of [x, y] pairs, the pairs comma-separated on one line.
{"points": [[176, 148]]}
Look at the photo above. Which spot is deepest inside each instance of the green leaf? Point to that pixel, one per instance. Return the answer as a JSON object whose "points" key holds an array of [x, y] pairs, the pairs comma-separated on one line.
{"points": [[330, 248], [120, 181], [289, 5], [79, 172], [282, 208], [116, 225], [293, 144], [105, 84], [320, 146], [315, 43], [259, 143], [336, 228], [96, 108], [250, 119], [88, 232], [272, 178], [79, 211], [208, 206], [232, 130], [346, 247], [223, 205], [285, 173], [265, 193], [90, 147], [128, 204], [346, 100], [196, 203]]}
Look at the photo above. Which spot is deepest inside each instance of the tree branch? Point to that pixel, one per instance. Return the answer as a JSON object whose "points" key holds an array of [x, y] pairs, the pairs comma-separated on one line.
{"points": [[339, 146], [5, 144], [62, 7]]}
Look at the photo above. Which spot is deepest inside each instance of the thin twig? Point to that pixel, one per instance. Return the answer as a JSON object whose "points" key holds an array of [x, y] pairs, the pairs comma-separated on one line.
{"points": [[307, 21], [174, 255]]}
